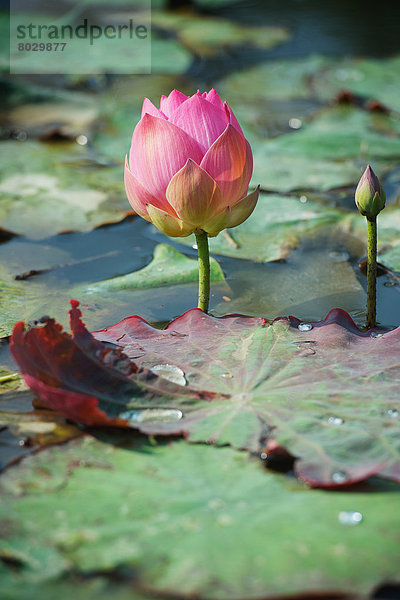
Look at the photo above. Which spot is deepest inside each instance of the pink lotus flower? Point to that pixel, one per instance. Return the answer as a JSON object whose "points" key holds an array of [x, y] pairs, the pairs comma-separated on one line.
{"points": [[190, 166]]}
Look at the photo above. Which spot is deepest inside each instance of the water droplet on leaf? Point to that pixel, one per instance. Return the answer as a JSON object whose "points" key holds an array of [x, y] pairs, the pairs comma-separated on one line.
{"points": [[339, 256], [295, 123], [216, 503], [224, 520], [375, 334], [145, 415], [335, 420], [170, 372], [304, 327], [393, 413], [350, 517], [339, 476], [82, 140]]}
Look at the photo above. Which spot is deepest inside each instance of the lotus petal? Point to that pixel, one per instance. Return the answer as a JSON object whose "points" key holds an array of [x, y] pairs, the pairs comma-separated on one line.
{"points": [[149, 109], [159, 149], [230, 162], [232, 216], [139, 197], [243, 209], [232, 119], [169, 104], [169, 225], [213, 97], [203, 121], [194, 194]]}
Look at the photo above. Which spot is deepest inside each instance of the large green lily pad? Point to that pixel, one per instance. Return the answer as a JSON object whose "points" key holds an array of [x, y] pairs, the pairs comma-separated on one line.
{"points": [[172, 515]]}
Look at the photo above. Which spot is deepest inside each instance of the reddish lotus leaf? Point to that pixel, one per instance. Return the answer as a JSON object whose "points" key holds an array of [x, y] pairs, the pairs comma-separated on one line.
{"points": [[327, 394], [82, 378]]}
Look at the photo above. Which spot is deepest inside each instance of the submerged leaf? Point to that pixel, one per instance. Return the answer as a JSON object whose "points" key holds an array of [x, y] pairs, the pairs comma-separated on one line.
{"points": [[325, 391]]}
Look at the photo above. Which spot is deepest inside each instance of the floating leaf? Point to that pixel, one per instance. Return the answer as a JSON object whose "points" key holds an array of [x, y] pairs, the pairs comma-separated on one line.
{"points": [[178, 58], [207, 36], [279, 79], [46, 120], [287, 378], [41, 194], [247, 382], [344, 132], [326, 152], [168, 266], [171, 515], [374, 79]]}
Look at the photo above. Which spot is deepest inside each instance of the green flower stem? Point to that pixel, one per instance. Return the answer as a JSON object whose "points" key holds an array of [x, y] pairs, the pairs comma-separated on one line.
{"points": [[204, 270], [371, 273]]}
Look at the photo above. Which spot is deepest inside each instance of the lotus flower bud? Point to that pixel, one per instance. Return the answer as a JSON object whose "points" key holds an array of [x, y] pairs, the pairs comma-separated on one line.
{"points": [[190, 166], [370, 196]]}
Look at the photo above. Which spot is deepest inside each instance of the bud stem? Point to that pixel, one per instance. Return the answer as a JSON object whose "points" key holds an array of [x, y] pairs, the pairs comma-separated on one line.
{"points": [[371, 273], [204, 270]]}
